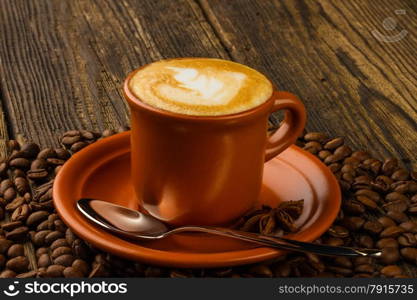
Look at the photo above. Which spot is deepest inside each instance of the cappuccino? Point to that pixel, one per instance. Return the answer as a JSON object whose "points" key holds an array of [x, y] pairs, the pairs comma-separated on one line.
{"points": [[200, 86]]}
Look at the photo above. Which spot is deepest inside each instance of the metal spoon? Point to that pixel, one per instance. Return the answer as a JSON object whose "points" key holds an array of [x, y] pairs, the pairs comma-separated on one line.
{"points": [[135, 225]]}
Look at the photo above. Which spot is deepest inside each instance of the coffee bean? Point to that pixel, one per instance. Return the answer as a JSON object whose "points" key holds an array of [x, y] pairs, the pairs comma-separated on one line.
{"points": [[361, 155], [4, 245], [52, 236], [36, 217], [7, 274], [313, 147], [369, 203], [20, 163], [18, 264], [60, 226], [334, 143], [343, 262], [369, 194], [16, 250], [348, 168], [404, 187], [39, 237], [4, 185], [51, 220], [64, 260], [397, 205], [29, 274], [9, 194], [389, 255], [394, 196], [62, 153], [81, 266], [78, 146], [60, 251], [373, 227], [55, 271], [17, 234], [366, 268], [38, 174], [19, 201], [409, 226], [59, 243], [21, 213], [46, 206], [332, 159], [88, 135], [400, 174], [392, 231], [362, 182], [353, 223], [407, 240], [22, 185], [387, 243], [70, 140], [391, 271], [55, 162], [38, 163], [316, 136], [386, 221], [353, 207], [44, 260], [323, 154], [397, 216], [71, 272], [70, 236], [335, 167], [409, 254], [46, 153], [9, 226], [389, 166], [40, 251], [343, 151]]}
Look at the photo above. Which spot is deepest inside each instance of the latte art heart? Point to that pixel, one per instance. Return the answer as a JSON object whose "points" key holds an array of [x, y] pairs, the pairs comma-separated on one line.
{"points": [[193, 86], [200, 86]]}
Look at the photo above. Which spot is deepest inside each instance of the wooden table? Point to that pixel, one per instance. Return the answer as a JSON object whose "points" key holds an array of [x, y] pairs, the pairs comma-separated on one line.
{"points": [[62, 62]]}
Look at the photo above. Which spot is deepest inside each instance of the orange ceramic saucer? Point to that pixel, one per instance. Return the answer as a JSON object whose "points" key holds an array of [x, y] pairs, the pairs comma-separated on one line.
{"points": [[102, 171]]}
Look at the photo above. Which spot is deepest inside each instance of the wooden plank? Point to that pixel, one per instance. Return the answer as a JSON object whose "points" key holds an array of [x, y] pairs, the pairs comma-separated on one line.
{"points": [[352, 84], [63, 62]]}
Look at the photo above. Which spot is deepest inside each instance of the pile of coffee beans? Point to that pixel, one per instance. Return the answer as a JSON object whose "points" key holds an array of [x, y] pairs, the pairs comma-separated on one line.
{"points": [[379, 210]]}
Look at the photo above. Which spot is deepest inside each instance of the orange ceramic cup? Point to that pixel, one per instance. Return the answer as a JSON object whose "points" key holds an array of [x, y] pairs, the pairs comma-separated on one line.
{"points": [[205, 170]]}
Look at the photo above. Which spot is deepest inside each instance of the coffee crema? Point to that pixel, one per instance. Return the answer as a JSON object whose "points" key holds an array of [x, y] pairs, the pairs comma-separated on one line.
{"points": [[200, 86]]}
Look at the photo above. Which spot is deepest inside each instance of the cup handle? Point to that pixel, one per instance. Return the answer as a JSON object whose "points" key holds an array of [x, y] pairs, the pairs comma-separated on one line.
{"points": [[290, 128]]}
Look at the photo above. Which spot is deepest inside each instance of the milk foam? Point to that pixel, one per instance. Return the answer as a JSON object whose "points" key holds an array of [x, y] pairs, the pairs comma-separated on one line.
{"points": [[198, 86]]}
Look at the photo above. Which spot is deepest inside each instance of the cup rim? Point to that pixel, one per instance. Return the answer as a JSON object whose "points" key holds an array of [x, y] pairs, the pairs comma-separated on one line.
{"points": [[135, 101]]}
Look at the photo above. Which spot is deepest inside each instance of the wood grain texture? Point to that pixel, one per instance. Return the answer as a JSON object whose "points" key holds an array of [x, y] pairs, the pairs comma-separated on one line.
{"points": [[63, 62], [323, 51]]}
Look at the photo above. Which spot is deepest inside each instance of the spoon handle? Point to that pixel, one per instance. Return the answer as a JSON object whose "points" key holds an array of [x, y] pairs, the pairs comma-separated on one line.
{"points": [[281, 243]]}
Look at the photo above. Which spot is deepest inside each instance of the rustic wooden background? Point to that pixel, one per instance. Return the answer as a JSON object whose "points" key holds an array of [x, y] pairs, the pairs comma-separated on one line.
{"points": [[62, 62]]}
